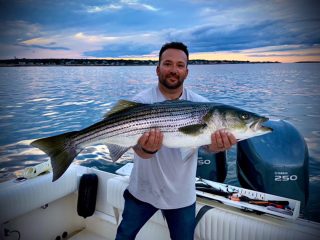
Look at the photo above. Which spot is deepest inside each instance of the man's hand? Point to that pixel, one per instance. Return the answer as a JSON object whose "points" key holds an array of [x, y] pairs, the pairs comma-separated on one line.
{"points": [[149, 143], [221, 140]]}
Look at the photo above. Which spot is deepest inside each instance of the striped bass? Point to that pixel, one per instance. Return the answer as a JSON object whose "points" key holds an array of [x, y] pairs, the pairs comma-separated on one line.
{"points": [[184, 124]]}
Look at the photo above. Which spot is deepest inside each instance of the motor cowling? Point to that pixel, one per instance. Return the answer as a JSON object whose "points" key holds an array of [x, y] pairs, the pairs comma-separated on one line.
{"points": [[211, 166], [276, 163]]}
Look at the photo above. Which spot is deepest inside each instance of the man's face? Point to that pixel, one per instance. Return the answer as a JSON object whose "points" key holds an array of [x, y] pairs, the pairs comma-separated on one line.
{"points": [[172, 69]]}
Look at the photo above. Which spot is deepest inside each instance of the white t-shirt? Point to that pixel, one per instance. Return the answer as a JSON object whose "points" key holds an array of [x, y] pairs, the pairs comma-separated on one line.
{"points": [[167, 180]]}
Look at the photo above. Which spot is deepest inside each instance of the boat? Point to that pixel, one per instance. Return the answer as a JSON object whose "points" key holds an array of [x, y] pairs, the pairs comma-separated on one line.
{"points": [[38, 208], [87, 203]]}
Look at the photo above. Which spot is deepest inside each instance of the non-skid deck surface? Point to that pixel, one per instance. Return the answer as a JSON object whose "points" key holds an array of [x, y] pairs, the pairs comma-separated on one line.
{"points": [[87, 235]]}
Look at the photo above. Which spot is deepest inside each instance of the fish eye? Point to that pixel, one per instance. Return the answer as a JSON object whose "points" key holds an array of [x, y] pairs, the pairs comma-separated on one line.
{"points": [[244, 116]]}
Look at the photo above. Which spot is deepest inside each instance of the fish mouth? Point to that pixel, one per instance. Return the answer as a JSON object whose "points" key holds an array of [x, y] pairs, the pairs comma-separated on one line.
{"points": [[257, 125]]}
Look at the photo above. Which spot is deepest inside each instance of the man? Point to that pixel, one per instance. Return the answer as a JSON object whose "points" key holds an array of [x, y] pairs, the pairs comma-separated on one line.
{"points": [[164, 178]]}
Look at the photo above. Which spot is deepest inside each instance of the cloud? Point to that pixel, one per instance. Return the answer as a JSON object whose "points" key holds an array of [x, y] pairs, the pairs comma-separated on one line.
{"points": [[42, 47], [95, 38], [251, 24], [118, 28], [120, 50], [281, 48], [9, 51], [134, 4], [122, 4], [285, 55], [18, 30], [284, 51], [208, 37], [120, 45], [42, 43], [40, 40], [95, 45], [109, 7]]}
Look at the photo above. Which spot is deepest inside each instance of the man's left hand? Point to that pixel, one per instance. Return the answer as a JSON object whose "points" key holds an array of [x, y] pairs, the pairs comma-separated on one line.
{"points": [[221, 140]]}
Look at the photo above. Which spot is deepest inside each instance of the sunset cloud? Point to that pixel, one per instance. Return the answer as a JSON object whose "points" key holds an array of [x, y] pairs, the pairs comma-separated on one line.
{"points": [[122, 4], [246, 29]]}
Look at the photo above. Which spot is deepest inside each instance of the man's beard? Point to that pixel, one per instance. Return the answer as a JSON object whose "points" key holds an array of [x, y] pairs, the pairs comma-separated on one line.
{"points": [[166, 82]]}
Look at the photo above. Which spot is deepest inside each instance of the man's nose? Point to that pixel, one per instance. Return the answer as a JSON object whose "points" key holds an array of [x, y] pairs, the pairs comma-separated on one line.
{"points": [[174, 69]]}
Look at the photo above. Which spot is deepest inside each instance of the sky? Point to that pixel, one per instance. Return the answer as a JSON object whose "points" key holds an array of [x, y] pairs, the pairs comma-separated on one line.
{"points": [[248, 30]]}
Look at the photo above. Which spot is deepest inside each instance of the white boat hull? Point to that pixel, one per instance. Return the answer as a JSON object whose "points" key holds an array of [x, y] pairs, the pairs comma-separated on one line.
{"points": [[40, 209]]}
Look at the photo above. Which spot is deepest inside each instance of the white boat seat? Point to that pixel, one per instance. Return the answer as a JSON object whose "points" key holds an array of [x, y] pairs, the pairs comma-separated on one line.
{"points": [[17, 198], [231, 224], [156, 225], [116, 186], [217, 223]]}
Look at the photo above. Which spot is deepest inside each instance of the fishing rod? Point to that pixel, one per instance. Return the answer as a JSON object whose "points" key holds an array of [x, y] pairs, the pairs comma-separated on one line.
{"points": [[204, 186]]}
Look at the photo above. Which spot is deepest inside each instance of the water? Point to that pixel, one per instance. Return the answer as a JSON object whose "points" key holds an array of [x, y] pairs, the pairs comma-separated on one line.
{"points": [[43, 101]]}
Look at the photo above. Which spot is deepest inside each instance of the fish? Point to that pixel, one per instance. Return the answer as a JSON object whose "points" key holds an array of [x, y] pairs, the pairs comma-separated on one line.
{"points": [[184, 124]]}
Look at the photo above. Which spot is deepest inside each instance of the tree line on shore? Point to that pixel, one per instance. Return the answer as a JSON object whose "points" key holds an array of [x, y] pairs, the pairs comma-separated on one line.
{"points": [[104, 62]]}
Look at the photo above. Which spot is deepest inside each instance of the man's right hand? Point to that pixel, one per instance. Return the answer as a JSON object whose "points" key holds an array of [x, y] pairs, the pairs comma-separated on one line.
{"points": [[149, 143], [221, 140]]}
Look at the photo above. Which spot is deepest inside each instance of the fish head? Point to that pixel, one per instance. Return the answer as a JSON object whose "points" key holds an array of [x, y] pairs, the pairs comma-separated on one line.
{"points": [[241, 123]]}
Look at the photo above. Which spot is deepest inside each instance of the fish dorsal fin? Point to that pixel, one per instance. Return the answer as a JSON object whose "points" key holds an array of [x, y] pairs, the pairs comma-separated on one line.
{"points": [[121, 106]]}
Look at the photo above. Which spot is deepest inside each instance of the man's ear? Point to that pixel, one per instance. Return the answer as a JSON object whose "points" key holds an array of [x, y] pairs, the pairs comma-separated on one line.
{"points": [[187, 71], [158, 70]]}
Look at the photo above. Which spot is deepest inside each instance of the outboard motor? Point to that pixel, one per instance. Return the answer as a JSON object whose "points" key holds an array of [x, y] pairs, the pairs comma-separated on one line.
{"points": [[276, 163], [211, 166]]}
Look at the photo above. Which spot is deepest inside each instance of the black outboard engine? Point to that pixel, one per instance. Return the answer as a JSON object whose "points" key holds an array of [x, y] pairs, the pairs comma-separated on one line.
{"points": [[276, 163], [211, 166]]}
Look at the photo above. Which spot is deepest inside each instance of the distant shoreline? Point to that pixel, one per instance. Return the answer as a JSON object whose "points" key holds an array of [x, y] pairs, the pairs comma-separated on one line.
{"points": [[23, 62]]}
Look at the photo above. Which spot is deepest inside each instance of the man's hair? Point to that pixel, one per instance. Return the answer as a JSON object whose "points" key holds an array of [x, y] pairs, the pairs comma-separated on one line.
{"points": [[174, 45]]}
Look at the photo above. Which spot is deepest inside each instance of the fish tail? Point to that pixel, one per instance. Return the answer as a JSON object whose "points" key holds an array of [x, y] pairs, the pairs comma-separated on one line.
{"points": [[61, 149]]}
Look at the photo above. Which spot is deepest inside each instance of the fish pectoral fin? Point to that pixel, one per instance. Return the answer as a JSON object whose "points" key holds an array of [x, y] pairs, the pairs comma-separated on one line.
{"points": [[116, 151], [122, 105], [194, 129]]}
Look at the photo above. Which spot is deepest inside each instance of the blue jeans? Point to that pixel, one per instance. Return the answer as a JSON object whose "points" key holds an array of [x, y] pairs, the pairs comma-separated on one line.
{"points": [[181, 221]]}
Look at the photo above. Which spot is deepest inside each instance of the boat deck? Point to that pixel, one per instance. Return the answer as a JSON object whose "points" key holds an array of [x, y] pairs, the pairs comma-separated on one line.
{"points": [[86, 234]]}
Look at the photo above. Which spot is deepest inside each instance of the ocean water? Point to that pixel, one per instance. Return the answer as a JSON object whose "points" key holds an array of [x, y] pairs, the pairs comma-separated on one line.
{"points": [[37, 102]]}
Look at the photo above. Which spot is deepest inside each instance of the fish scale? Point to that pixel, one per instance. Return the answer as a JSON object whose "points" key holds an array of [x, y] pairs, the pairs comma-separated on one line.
{"points": [[156, 118]]}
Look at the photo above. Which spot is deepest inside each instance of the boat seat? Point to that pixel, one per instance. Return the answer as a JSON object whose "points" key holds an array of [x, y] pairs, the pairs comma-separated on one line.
{"points": [[220, 222], [156, 225], [232, 224], [116, 186], [17, 198]]}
